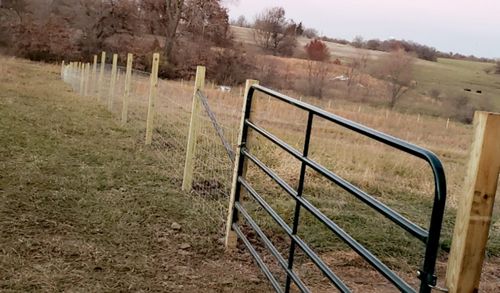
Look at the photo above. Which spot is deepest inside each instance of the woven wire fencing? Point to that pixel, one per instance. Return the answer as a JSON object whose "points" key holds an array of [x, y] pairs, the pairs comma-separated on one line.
{"points": [[213, 169]]}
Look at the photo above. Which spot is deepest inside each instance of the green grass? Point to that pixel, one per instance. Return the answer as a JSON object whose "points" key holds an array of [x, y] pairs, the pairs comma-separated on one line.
{"points": [[452, 76]]}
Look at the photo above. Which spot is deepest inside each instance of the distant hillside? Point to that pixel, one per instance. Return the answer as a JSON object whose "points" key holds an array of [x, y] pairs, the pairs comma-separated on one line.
{"points": [[246, 36], [449, 77]]}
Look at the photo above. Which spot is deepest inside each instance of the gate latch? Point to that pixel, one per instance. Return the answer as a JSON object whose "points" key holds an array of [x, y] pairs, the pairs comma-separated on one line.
{"points": [[431, 281]]}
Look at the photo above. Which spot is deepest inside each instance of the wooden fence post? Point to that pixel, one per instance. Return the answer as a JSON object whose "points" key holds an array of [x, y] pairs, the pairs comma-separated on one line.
{"points": [[231, 237], [126, 93], [152, 97], [74, 75], [475, 207], [62, 70], [94, 76], [70, 72], [112, 83], [199, 84], [87, 79], [82, 79], [100, 85]]}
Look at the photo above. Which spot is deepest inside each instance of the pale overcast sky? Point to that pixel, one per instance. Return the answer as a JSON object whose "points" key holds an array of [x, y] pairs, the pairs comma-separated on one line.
{"points": [[463, 26]]}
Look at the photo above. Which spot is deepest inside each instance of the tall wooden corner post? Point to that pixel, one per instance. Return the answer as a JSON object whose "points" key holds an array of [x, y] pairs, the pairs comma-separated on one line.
{"points": [[153, 90], [194, 125], [231, 237], [475, 207], [126, 93]]}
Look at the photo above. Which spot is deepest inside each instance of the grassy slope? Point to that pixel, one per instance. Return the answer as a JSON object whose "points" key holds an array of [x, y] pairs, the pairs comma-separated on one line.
{"points": [[448, 75], [85, 207], [452, 76]]}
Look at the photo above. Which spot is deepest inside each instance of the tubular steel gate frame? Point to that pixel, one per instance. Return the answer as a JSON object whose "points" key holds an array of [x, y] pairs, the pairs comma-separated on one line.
{"points": [[429, 237]]}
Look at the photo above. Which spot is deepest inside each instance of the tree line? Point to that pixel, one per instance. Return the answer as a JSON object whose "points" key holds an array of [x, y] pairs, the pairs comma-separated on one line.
{"points": [[186, 32], [419, 50]]}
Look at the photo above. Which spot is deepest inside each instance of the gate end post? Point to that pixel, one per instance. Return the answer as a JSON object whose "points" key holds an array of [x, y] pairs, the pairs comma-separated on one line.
{"points": [[475, 206]]}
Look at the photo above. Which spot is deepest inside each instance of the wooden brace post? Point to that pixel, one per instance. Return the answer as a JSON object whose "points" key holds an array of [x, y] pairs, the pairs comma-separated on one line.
{"points": [[475, 207], [199, 84], [231, 237]]}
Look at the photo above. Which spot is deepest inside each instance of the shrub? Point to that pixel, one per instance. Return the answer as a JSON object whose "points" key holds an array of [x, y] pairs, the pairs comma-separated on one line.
{"points": [[462, 108], [317, 50], [231, 66], [435, 93]]}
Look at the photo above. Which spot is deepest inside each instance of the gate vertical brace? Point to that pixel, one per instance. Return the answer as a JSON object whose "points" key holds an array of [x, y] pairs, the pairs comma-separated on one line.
{"points": [[239, 166], [300, 189]]}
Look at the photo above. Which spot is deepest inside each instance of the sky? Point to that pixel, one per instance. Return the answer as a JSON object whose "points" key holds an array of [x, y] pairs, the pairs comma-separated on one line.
{"points": [[463, 26]]}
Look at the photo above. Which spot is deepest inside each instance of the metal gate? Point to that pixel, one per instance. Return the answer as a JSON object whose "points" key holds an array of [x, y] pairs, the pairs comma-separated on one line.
{"points": [[429, 237]]}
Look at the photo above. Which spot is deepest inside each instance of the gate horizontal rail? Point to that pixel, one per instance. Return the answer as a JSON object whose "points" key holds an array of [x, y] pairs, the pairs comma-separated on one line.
{"points": [[429, 237]]}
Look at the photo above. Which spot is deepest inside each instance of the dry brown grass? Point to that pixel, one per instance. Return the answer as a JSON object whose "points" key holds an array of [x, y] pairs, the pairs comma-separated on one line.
{"points": [[85, 207], [398, 180]]}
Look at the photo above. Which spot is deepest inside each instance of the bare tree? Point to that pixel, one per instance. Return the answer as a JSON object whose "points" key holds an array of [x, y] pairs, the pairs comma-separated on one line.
{"points": [[173, 14], [354, 72], [317, 67], [397, 69], [163, 17], [241, 21], [207, 19], [274, 32], [358, 42], [17, 6]]}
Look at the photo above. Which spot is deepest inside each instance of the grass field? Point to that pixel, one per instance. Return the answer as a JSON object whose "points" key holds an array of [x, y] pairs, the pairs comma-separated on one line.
{"points": [[449, 77], [85, 200]]}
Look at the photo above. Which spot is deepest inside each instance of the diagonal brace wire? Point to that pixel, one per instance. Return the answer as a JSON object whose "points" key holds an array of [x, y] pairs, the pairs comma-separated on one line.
{"points": [[217, 127]]}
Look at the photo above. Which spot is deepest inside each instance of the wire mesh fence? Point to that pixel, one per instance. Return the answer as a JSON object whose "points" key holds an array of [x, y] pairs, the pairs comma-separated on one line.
{"points": [[173, 109]]}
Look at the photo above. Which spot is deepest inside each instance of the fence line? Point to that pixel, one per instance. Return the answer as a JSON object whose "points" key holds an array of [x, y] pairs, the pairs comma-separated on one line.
{"points": [[163, 109]]}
